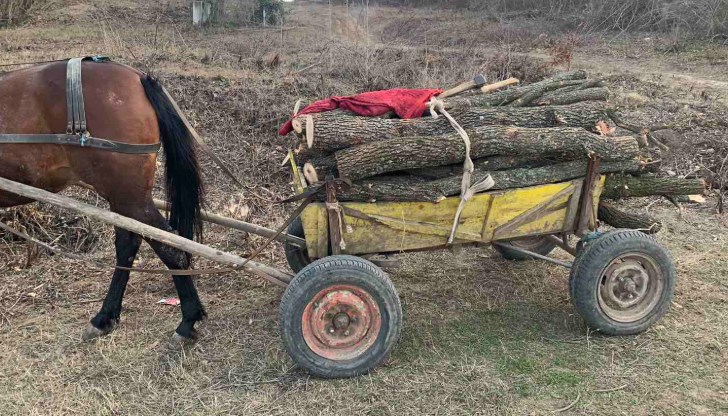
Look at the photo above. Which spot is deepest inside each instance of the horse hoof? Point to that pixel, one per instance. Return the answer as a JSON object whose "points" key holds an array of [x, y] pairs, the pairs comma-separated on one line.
{"points": [[178, 342], [91, 333]]}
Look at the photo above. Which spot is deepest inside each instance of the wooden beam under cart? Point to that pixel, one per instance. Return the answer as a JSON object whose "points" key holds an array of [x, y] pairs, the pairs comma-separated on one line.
{"points": [[268, 273]]}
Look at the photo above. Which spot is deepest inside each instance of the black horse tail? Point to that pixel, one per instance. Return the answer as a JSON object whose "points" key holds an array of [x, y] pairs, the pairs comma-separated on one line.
{"points": [[185, 191]]}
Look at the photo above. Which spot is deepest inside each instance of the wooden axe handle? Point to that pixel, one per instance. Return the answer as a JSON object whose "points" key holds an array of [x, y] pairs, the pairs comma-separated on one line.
{"points": [[465, 86], [498, 85]]}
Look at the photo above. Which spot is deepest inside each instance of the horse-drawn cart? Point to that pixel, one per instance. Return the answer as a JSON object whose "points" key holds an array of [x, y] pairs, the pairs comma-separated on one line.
{"points": [[341, 315]]}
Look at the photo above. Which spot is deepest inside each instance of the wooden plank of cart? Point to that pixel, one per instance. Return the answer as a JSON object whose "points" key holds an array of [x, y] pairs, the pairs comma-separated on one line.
{"points": [[341, 316]]}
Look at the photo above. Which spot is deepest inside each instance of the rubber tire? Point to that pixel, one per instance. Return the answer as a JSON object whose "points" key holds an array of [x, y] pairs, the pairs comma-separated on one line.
{"points": [[342, 269], [297, 257], [586, 275], [543, 247]]}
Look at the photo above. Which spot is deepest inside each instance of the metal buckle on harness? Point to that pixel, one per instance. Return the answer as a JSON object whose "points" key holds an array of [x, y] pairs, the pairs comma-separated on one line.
{"points": [[84, 137]]}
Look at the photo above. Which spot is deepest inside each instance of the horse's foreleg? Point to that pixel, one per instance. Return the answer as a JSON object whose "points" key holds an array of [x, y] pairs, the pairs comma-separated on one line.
{"points": [[192, 309], [127, 245]]}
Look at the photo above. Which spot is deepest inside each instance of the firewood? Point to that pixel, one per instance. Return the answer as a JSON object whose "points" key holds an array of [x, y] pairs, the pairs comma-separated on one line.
{"points": [[627, 186], [414, 188], [416, 152], [617, 218], [590, 94], [340, 130]]}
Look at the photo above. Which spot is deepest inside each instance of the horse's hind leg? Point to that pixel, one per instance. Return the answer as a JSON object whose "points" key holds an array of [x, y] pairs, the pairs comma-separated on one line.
{"points": [[127, 246], [174, 259]]}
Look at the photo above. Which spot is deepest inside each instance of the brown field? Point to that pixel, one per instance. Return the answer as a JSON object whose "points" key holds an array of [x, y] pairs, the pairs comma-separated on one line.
{"points": [[482, 335]]}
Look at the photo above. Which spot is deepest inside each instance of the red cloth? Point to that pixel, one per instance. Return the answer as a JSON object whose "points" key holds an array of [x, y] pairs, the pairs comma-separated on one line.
{"points": [[405, 103]]}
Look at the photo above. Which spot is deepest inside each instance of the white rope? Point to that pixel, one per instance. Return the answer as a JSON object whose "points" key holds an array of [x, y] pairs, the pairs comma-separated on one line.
{"points": [[467, 190]]}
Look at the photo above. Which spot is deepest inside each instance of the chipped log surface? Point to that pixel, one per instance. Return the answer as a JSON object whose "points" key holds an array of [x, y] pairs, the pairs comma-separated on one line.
{"points": [[590, 94], [617, 218], [337, 130], [626, 186], [412, 188], [417, 152]]}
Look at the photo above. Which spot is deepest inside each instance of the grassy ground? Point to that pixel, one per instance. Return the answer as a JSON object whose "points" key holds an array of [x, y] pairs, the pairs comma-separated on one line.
{"points": [[482, 335]]}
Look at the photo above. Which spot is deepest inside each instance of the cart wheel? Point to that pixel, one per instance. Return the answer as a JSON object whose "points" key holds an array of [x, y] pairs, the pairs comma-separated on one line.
{"points": [[622, 282], [340, 317], [297, 257], [540, 245]]}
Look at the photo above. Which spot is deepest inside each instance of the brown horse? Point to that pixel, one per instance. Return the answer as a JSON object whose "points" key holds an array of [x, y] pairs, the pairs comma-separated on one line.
{"points": [[126, 106]]}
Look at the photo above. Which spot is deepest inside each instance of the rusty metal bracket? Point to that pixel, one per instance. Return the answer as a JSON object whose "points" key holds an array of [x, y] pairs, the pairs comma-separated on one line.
{"points": [[335, 212], [563, 243], [586, 211]]}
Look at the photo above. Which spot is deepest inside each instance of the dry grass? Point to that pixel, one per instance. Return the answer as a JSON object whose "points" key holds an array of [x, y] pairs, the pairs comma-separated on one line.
{"points": [[481, 335], [13, 11]]}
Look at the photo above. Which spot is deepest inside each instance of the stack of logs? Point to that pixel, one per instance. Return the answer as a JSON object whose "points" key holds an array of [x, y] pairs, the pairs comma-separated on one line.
{"points": [[523, 136]]}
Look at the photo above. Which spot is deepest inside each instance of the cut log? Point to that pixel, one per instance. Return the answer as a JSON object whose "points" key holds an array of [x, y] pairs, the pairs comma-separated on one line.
{"points": [[416, 152], [412, 188], [539, 91], [484, 164], [626, 186], [644, 164], [611, 215], [507, 96], [339, 130], [590, 94]]}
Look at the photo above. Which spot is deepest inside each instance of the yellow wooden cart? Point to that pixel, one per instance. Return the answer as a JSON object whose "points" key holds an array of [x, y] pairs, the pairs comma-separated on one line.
{"points": [[501, 216], [341, 315]]}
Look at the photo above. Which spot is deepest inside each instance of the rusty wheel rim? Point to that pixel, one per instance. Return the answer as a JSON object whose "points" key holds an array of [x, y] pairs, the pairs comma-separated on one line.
{"points": [[630, 287], [341, 322]]}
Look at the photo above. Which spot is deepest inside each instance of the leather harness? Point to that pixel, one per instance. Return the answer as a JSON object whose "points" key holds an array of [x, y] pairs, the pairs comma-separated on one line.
{"points": [[77, 133]]}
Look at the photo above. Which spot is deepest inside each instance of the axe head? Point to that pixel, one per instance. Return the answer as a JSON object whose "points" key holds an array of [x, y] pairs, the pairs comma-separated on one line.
{"points": [[479, 80]]}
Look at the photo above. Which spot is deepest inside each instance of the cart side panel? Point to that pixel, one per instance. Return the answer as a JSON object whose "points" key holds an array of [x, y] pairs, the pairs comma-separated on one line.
{"points": [[393, 227], [530, 211], [405, 226]]}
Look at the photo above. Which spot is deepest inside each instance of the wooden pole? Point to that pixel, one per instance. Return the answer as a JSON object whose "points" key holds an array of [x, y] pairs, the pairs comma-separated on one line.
{"points": [[268, 273], [241, 226]]}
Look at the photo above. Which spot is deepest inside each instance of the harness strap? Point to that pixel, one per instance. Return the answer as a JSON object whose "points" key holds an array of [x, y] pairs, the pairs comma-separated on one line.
{"points": [[76, 112], [80, 141], [76, 128]]}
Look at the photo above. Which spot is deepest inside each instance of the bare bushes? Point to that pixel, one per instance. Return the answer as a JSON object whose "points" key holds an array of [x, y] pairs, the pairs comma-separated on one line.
{"points": [[687, 18], [13, 11]]}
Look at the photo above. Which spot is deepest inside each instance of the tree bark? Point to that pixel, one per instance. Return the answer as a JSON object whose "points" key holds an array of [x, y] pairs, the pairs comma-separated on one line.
{"points": [[644, 164], [416, 152], [626, 186], [412, 188], [590, 94], [617, 218], [338, 130], [484, 164], [505, 97]]}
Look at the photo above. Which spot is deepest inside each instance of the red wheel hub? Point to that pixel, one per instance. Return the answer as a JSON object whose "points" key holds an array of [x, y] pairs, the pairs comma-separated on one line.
{"points": [[341, 322]]}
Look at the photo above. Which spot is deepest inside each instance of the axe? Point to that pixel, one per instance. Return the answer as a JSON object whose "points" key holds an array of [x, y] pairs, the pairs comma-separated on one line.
{"points": [[477, 82]]}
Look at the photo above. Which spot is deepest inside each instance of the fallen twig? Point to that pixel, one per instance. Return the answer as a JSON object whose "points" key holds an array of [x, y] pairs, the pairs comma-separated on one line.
{"points": [[611, 390], [569, 406]]}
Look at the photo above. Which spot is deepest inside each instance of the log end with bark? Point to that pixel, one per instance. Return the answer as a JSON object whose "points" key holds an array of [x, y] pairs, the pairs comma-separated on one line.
{"points": [[613, 216]]}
